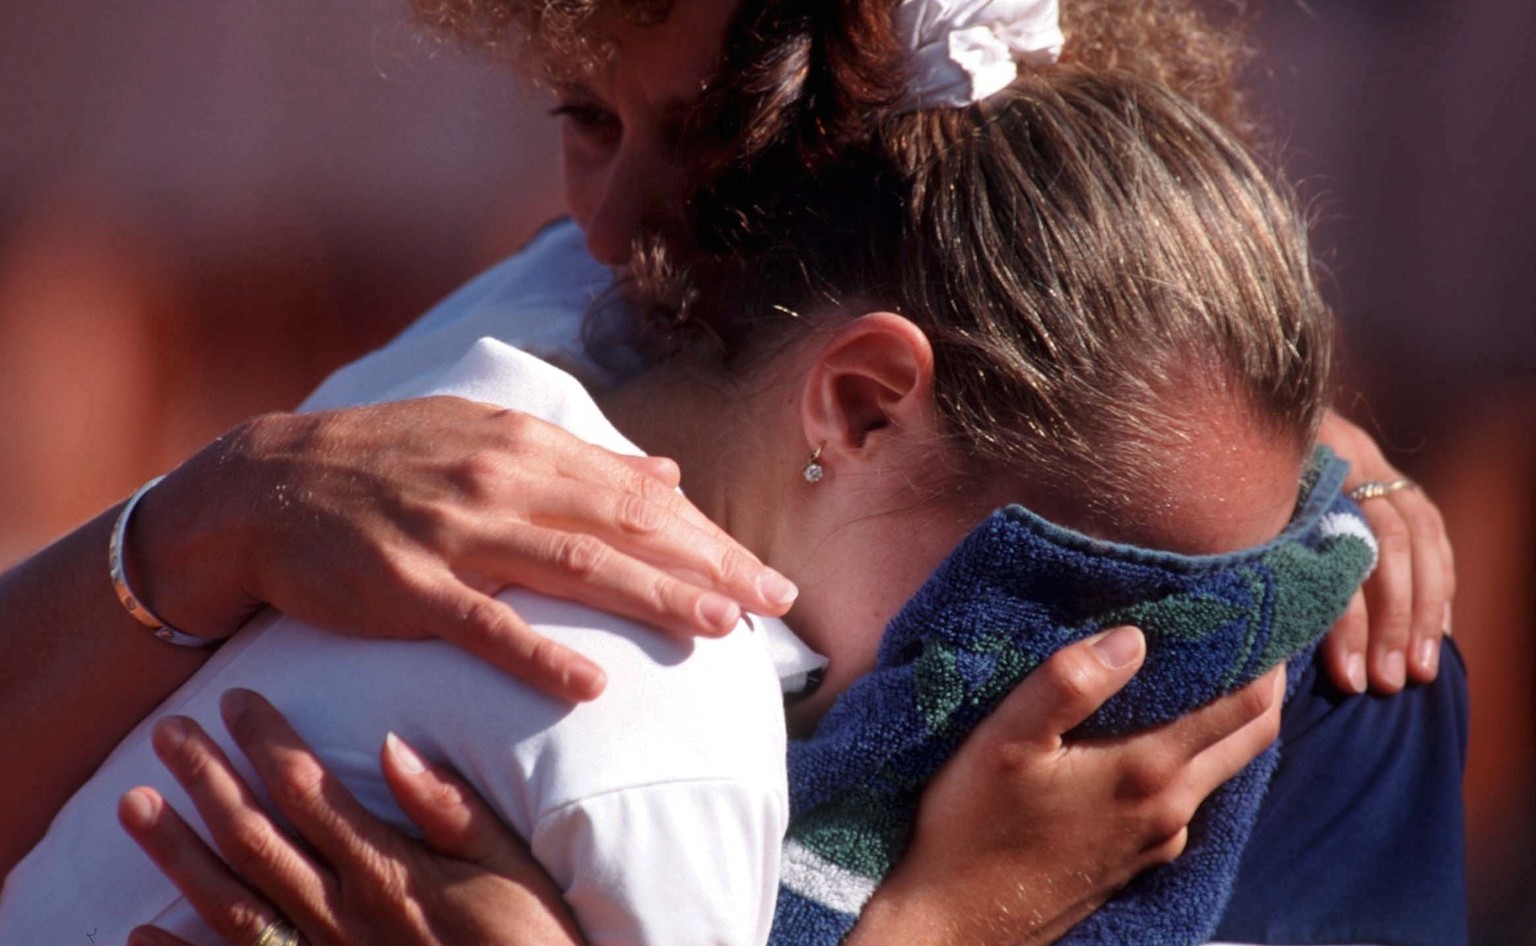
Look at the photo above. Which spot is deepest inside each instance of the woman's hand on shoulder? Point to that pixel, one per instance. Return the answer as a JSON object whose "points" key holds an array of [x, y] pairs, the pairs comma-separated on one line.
{"points": [[1025, 832], [357, 882], [1392, 632], [402, 520]]}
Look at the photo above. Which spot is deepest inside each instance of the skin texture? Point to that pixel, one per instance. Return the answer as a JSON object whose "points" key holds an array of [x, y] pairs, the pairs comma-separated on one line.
{"points": [[473, 880], [621, 130], [1391, 634]]}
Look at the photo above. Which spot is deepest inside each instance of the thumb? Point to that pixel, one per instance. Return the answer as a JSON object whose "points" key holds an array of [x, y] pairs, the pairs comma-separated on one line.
{"points": [[1070, 686], [452, 817]]}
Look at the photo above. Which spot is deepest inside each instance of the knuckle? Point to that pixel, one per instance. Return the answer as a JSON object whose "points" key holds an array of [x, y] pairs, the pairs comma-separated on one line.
{"points": [[1145, 777], [476, 474], [1071, 677], [1267, 725], [1422, 521], [481, 620], [651, 489], [382, 883], [1171, 816], [637, 514], [579, 554], [434, 524], [664, 595], [1392, 534], [1168, 850], [250, 844], [732, 567], [1254, 701], [1392, 616], [544, 657], [516, 426], [297, 783]]}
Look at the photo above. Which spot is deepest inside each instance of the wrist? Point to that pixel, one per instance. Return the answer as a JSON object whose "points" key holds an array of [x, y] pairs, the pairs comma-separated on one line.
{"points": [[981, 901], [188, 555]]}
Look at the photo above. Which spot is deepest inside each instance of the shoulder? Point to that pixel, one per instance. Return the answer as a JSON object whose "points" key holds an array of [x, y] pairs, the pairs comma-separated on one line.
{"points": [[536, 300], [674, 711], [1360, 839], [553, 268]]}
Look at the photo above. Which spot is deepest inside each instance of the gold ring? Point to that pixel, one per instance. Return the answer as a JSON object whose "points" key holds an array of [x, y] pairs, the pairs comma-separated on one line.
{"points": [[1378, 490], [280, 932]]}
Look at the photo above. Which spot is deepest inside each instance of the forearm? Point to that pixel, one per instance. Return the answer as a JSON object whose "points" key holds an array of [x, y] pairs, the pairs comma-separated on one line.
{"points": [[76, 674], [905, 915]]}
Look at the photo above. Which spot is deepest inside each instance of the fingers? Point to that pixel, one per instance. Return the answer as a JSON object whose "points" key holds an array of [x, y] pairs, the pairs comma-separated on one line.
{"points": [[1389, 598], [1431, 593], [1344, 647], [603, 495], [302, 789], [459, 825], [491, 630], [1408, 597], [150, 936], [452, 817], [661, 468], [1257, 703], [223, 902], [1228, 755], [243, 834], [1069, 687], [581, 567], [1173, 768], [649, 523]]}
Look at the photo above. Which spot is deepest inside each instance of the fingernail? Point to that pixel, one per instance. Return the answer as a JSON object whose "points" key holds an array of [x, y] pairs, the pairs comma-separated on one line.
{"points": [[404, 754], [1118, 647], [776, 589], [1429, 656], [137, 810], [234, 704], [718, 611], [1445, 622], [1395, 668], [1354, 669], [170, 733]]}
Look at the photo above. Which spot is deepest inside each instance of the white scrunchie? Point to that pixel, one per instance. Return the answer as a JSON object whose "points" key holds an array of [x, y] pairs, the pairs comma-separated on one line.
{"points": [[965, 50]]}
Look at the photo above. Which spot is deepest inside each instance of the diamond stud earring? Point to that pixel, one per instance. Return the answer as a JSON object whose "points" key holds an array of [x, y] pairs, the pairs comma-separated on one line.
{"points": [[814, 471]]}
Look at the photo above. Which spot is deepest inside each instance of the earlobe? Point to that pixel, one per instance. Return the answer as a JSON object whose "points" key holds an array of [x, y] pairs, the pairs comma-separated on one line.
{"points": [[872, 379]]}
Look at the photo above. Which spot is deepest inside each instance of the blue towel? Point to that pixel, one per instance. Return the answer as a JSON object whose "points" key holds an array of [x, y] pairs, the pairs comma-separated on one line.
{"points": [[1014, 592]]}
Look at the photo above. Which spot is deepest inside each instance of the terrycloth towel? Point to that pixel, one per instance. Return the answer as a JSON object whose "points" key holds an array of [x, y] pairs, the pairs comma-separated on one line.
{"points": [[1014, 592]]}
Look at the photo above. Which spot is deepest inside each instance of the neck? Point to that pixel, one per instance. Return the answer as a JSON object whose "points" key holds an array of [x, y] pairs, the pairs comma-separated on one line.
{"points": [[858, 544]]}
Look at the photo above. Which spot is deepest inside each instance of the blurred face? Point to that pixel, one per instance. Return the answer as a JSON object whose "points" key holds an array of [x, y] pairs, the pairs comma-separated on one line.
{"points": [[621, 129]]}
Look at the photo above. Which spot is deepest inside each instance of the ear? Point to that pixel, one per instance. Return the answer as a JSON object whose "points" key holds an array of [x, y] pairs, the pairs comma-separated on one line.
{"points": [[870, 385]]}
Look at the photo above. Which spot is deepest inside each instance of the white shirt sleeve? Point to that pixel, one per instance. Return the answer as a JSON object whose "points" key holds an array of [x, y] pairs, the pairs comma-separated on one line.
{"points": [[673, 864]]}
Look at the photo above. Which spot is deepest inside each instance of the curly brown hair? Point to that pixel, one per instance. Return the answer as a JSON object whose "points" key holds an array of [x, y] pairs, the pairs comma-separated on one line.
{"points": [[818, 68]]}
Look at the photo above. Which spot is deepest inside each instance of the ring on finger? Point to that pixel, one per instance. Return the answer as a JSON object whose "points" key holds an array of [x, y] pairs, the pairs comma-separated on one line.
{"points": [[1376, 489], [279, 932]]}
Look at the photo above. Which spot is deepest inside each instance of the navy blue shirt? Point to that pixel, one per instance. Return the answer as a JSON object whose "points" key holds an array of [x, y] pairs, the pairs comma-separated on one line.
{"points": [[1360, 838]]}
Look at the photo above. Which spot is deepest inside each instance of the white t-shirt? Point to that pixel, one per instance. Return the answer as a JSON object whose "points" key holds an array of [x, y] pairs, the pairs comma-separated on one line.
{"points": [[658, 808]]}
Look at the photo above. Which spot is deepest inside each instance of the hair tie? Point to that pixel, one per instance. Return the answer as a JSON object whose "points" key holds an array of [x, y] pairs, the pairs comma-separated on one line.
{"points": [[962, 51]]}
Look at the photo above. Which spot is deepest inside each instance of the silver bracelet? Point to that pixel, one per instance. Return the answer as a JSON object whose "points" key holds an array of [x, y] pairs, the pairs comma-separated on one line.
{"points": [[119, 575]]}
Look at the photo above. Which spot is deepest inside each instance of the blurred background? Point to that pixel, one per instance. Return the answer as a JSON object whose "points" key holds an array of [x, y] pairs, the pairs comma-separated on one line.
{"points": [[206, 207]]}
